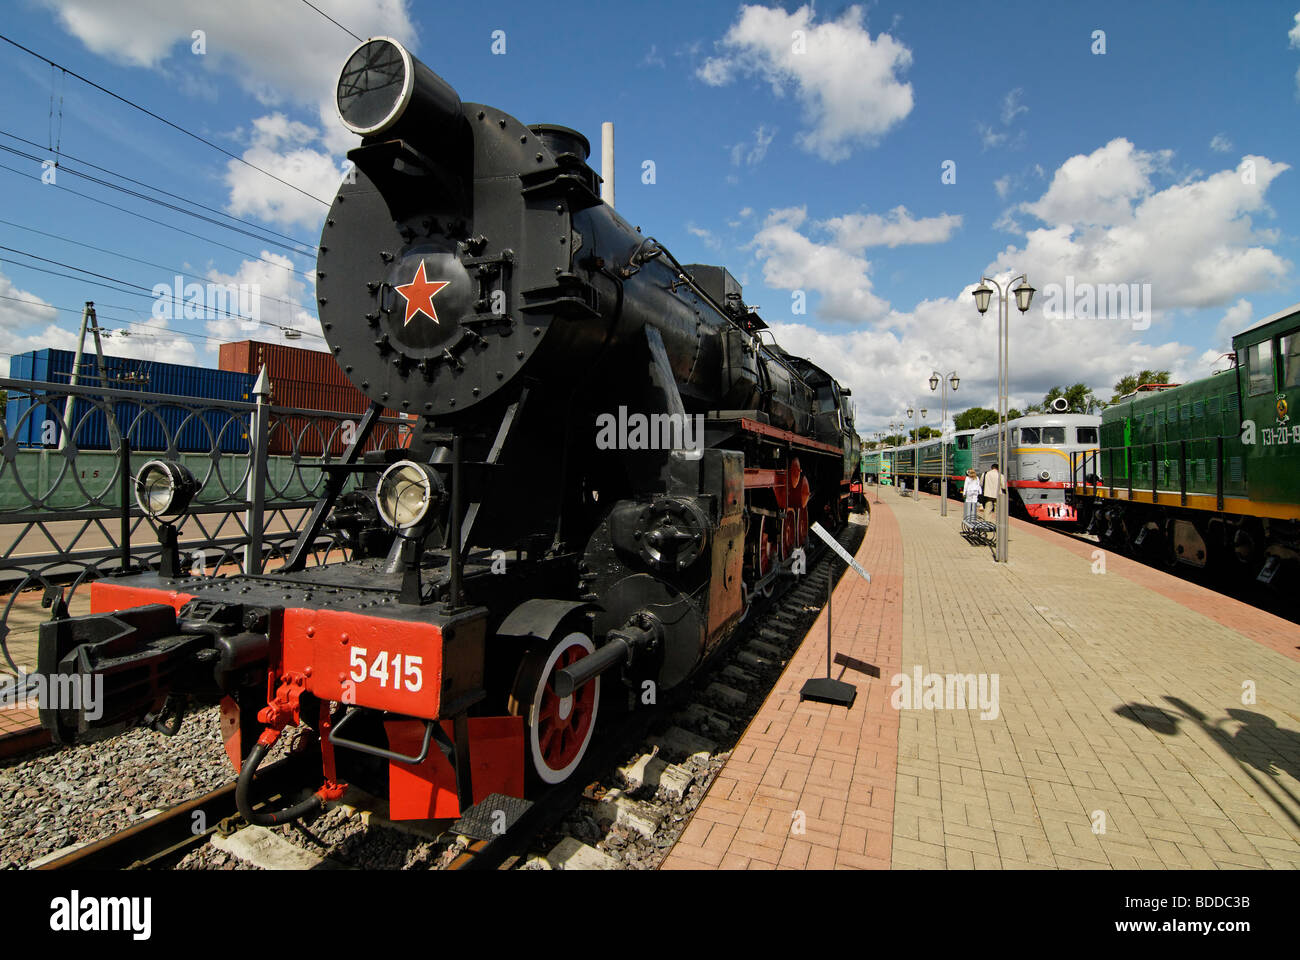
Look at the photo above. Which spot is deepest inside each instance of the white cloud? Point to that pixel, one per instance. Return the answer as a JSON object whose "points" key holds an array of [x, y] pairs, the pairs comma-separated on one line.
{"points": [[707, 236], [275, 53], [284, 147], [1012, 107], [857, 231], [1107, 221], [791, 261], [1237, 318], [751, 155], [1194, 241], [20, 308], [847, 82], [1294, 37], [274, 283], [1220, 144], [1097, 188]]}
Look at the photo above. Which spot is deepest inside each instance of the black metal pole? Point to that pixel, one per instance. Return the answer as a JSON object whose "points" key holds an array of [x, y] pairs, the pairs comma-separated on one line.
{"points": [[454, 538], [124, 538], [830, 589]]}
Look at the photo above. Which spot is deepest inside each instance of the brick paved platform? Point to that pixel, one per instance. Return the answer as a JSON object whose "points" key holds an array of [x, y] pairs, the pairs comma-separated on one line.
{"points": [[1141, 721]]}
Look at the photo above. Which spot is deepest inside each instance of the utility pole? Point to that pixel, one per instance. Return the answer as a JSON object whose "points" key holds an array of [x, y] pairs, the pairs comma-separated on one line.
{"points": [[88, 322]]}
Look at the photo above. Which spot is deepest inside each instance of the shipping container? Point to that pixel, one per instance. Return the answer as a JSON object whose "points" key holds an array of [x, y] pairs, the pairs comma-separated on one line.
{"points": [[149, 429], [306, 380]]}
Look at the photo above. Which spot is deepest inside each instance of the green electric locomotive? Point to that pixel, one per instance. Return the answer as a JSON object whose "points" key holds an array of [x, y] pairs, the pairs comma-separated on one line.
{"points": [[1207, 473]]}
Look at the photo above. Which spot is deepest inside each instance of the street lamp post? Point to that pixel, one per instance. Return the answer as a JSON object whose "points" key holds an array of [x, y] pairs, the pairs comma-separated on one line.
{"points": [[880, 445], [916, 451], [937, 380], [1024, 294]]}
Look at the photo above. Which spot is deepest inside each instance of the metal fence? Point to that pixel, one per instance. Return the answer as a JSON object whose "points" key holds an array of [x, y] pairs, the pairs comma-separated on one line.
{"points": [[67, 506]]}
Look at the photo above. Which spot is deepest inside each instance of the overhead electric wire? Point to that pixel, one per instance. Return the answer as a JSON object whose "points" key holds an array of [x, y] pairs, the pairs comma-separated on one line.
{"points": [[162, 203], [167, 193], [161, 331], [139, 291], [147, 263], [161, 119], [332, 20], [161, 223]]}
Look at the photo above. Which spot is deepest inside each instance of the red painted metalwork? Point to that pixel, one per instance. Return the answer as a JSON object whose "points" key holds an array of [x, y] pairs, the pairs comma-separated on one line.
{"points": [[107, 596], [789, 436], [428, 790], [376, 662]]}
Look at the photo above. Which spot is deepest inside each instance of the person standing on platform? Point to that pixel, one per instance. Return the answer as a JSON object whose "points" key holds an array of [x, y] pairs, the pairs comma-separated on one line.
{"points": [[992, 483], [970, 492]]}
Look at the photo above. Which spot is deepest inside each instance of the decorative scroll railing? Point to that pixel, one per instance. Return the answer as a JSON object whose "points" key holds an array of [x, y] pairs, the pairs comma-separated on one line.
{"points": [[67, 507]]}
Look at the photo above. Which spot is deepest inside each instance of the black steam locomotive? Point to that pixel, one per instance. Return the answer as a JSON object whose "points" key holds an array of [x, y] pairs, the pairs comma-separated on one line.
{"points": [[611, 462]]}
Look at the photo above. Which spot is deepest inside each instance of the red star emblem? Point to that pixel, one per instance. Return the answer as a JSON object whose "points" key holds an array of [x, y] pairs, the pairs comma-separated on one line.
{"points": [[419, 294]]}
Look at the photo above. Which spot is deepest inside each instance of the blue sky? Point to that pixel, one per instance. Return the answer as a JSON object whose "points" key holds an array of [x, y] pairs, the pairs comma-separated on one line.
{"points": [[802, 147]]}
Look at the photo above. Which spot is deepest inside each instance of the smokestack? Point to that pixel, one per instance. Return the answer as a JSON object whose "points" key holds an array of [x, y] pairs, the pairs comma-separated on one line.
{"points": [[607, 162]]}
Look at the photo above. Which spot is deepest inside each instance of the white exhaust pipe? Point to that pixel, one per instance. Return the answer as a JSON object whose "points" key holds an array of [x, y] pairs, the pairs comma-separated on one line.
{"points": [[607, 162]]}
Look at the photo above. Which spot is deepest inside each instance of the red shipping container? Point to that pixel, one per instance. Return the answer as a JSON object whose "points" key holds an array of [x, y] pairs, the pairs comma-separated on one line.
{"points": [[308, 380]]}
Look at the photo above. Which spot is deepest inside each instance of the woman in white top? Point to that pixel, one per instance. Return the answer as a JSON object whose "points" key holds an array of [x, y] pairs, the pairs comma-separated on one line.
{"points": [[970, 492]]}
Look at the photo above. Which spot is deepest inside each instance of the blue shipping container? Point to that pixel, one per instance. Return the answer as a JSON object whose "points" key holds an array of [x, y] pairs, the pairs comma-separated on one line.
{"points": [[149, 429]]}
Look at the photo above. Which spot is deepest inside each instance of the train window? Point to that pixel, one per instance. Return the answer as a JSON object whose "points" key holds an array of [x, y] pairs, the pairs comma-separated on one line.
{"points": [[1291, 360], [1259, 368], [1028, 434], [1086, 434], [963, 443], [1054, 436]]}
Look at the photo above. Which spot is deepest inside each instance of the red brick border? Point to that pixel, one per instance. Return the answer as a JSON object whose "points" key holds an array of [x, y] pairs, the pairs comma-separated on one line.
{"points": [[837, 768]]}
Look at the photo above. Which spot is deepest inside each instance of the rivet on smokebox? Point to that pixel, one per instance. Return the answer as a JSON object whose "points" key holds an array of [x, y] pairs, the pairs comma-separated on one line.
{"points": [[344, 639], [311, 631]]}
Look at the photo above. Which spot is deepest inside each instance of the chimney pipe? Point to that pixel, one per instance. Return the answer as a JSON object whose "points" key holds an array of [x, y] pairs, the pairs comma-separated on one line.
{"points": [[607, 162]]}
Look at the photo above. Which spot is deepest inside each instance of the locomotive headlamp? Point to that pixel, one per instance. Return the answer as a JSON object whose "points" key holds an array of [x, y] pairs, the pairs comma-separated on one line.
{"points": [[1024, 295], [381, 83], [408, 496], [983, 294], [163, 489]]}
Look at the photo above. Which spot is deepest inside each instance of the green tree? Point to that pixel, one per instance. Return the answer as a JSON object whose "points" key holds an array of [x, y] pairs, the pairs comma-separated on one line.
{"points": [[1128, 384], [1080, 398], [974, 418]]}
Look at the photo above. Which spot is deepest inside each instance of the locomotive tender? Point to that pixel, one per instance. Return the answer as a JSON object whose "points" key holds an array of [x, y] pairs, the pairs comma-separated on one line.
{"points": [[609, 464]]}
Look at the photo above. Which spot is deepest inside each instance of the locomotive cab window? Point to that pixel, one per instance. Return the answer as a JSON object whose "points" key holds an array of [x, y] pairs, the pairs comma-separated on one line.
{"points": [[1258, 362], [1086, 434], [1054, 436], [963, 443], [1028, 435], [1291, 360]]}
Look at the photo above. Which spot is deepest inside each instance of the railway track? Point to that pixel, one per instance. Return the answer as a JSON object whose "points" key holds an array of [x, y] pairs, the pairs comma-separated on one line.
{"points": [[159, 841], [639, 819]]}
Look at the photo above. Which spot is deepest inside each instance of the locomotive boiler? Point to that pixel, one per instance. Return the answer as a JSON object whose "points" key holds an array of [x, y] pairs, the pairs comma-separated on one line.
{"points": [[612, 459]]}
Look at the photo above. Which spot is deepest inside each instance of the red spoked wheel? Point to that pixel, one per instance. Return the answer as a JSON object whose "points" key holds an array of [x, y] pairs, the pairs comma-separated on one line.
{"points": [[789, 532], [801, 525], [766, 548], [557, 730]]}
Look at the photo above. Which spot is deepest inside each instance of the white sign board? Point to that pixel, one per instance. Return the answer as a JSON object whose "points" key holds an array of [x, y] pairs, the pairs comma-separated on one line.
{"points": [[843, 554]]}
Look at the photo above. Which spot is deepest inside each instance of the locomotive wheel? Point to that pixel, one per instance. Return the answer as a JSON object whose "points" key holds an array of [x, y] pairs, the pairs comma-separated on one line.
{"points": [[766, 548], [789, 532], [557, 730], [801, 525]]}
